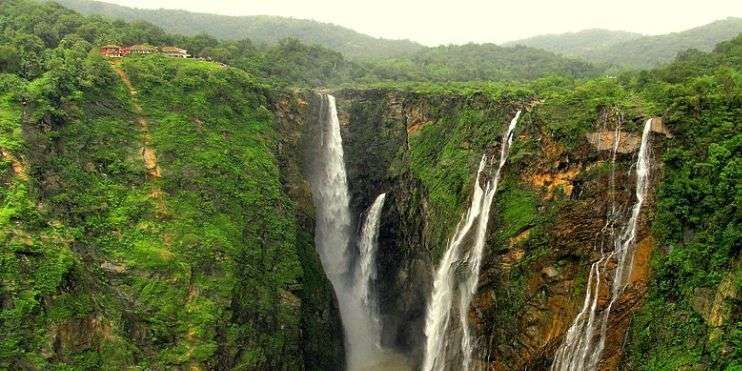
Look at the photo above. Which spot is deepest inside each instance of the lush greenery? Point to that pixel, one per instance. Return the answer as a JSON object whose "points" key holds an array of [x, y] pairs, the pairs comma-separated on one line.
{"points": [[633, 50], [308, 52], [697, 269], [690, 318], [577, 44], [104, 265]]}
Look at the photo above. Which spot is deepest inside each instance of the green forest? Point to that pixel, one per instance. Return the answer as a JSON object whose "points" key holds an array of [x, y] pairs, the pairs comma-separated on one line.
{"points": [[204, 257]]}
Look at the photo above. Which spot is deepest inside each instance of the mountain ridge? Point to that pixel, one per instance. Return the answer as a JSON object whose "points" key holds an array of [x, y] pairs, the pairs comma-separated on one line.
{"points": [[628, 49], [259, 28]]}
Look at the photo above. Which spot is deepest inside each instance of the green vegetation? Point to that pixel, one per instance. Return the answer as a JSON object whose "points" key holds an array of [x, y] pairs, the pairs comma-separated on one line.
{"points": [[577, 44], [105, 266], [480, 62], [622, 49], [697, 222], [310, 53]]}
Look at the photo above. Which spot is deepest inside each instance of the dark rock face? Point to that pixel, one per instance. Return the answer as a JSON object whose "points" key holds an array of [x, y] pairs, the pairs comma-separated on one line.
{"points": [[375, 140]]}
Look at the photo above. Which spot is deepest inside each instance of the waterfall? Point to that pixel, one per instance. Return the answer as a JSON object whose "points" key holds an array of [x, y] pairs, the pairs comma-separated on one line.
{"points": [[349, 274], [448, 283], [333, 233], [330, 196], [579, 351], [366, 272]]}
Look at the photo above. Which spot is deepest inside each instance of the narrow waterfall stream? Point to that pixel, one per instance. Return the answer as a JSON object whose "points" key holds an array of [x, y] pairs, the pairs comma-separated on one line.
{"points": [[579, 350], [457, 275], [366, 270]]}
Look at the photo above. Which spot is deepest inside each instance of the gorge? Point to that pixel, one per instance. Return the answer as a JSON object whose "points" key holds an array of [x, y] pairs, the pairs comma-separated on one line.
{"points": [[383, 127], [244, 213]]}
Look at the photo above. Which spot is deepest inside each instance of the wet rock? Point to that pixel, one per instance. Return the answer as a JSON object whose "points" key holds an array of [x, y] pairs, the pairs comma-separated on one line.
{"points": [[658, 126], [550, 272], [604, 140], [112, 268]]}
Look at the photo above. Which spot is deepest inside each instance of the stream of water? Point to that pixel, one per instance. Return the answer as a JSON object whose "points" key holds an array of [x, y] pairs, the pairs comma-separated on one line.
{"points": [[582, 346], [457, 275]]}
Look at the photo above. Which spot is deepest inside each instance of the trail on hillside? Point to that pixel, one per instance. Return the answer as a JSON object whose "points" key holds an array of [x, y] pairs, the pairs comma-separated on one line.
{"points": [[19, 169], [148, 152]]}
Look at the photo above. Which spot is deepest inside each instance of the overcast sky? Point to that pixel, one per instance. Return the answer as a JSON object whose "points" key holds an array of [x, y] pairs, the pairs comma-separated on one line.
{"points": [[435, 22]]}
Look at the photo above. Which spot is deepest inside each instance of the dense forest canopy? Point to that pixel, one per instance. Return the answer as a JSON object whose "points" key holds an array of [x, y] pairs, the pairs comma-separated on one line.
{"points": [[32, 27], [615, 49]]}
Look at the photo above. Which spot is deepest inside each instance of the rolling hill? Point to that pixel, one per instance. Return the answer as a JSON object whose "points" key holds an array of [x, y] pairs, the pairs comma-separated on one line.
{"points": [[634, 50]]}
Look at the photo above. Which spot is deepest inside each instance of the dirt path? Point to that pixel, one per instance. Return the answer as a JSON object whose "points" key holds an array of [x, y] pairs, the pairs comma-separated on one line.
{"points": [[148, 152], [18, 168]]}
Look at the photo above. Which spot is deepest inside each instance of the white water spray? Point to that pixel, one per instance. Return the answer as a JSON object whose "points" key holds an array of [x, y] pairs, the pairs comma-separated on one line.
{"points": [[579, 350], [439, 349], [366, 272]]}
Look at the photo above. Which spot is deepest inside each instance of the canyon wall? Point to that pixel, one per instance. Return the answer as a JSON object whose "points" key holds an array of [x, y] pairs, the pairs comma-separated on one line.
{"points": [[422, 149]]}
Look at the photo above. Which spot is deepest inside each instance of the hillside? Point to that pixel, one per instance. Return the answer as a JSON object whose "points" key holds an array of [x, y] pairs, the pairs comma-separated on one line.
{"points": [[304, 63], [633, 50], [577, 44], [260, 29], [164, 213]]}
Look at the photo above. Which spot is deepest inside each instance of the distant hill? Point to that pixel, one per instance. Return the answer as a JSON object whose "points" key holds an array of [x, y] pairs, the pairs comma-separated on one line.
{"points": [[577, 44], [392, 60], [633, 50], [479, 62], [261, 29]]}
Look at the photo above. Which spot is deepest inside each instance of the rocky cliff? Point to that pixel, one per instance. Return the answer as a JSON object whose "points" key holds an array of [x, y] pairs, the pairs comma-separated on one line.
{"points": [[552, 210]]}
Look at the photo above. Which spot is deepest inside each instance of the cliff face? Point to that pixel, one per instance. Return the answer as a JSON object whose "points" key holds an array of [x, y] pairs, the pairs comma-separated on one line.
{"points": [[200, 260], [549, 217]]}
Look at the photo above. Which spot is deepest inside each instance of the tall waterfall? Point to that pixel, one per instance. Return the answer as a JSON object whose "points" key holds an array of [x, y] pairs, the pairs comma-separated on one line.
{"points": [[457, 275], [333, 239], [366, 271], [579, 350]]}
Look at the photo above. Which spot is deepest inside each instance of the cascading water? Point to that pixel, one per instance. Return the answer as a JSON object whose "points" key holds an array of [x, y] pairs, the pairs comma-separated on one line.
{"points": [[447, 282], [366, 272], [579, 350], [330, 195], [333, 239]]}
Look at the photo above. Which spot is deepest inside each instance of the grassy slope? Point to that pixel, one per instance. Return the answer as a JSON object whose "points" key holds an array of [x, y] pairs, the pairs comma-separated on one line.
{"points": [[228, 217], [98, 275]]}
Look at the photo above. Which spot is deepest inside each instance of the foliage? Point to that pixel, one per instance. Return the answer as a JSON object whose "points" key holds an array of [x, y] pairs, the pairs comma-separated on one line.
{"points": [[202, 267], [697, 221], [305, 52]]}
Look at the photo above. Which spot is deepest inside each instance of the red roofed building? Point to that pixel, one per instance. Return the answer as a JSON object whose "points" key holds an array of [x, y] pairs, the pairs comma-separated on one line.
{"points": [[112, 50]]}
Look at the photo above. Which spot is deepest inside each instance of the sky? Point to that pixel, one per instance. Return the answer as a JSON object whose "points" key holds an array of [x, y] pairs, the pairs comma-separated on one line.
{"points": [[434, 22]]}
